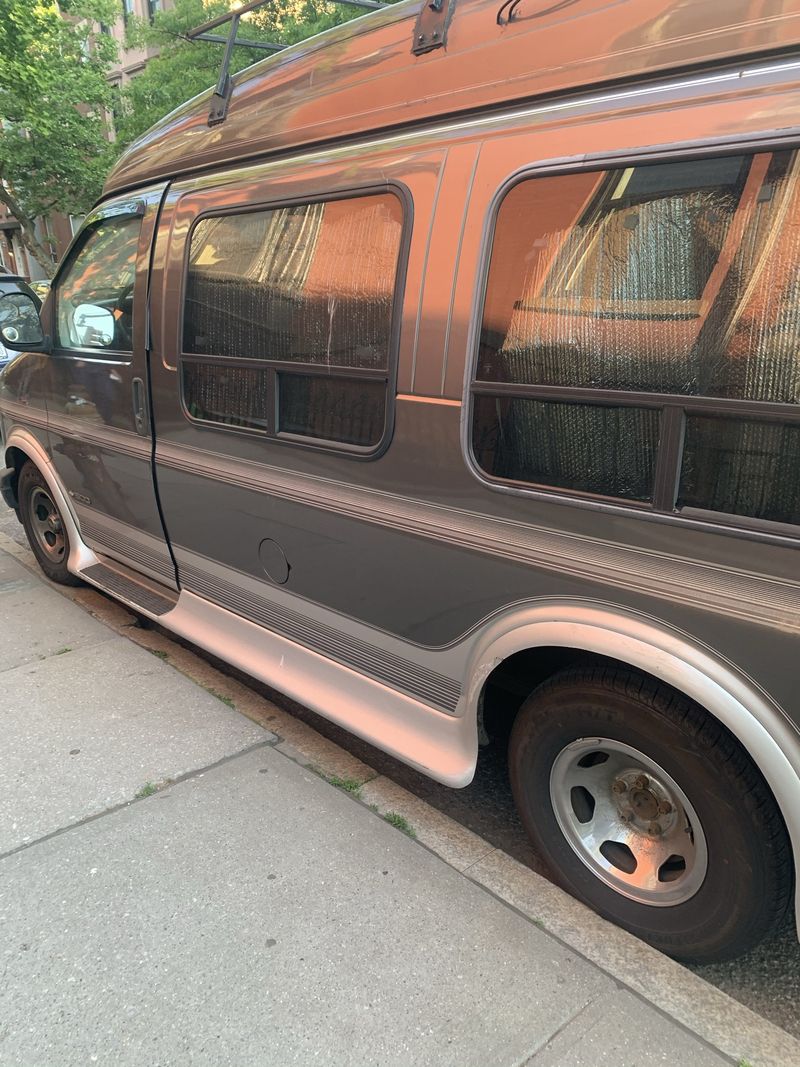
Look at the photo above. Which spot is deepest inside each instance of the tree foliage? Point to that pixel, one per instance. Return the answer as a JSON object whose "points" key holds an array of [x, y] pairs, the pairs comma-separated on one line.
{"points": [[184, 68], [53, 98]]}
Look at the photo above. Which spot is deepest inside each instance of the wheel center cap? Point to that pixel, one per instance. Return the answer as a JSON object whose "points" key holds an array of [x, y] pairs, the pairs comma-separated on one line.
{"points": [[644, 804]]}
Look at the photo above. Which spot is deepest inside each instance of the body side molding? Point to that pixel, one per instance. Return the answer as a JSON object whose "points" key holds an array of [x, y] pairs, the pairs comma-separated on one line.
{"points": [[442, 746]]}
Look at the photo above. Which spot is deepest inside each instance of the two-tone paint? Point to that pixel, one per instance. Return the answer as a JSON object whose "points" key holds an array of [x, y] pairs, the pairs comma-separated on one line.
{"points": [[411, 578]]}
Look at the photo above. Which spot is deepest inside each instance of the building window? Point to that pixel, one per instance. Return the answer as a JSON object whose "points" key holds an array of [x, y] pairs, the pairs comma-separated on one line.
{"points": [[128, 9], [288, 319], [153, 7], [640, 338]]}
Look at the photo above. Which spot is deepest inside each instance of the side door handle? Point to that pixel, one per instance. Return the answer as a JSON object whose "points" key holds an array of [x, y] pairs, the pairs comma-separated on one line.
{"points": [[139, 410]]}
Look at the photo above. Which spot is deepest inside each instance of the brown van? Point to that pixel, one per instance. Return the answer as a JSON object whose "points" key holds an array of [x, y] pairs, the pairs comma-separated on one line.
{"points": [[445, 375]]}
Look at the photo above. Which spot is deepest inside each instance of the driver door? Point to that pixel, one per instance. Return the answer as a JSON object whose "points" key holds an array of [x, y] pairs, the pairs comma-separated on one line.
{"points": [[99, 423]]}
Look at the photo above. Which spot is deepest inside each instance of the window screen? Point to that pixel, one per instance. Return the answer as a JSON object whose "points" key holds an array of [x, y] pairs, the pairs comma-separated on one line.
{"points": [[288, 319], [672, 288]]}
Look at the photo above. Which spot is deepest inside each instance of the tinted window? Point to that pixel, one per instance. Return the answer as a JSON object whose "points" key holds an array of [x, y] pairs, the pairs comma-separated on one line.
{"points": [[742, 467], [678, 280], [94, 297], [310, 287], [605, 450]]}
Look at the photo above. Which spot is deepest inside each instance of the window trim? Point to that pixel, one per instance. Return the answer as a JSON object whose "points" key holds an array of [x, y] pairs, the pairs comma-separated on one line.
{"points": [[274, 368], [674, 407], [119, 211]]}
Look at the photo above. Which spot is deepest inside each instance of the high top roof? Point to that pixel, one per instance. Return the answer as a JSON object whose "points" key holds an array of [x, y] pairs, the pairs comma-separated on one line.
{"points": [[362, 76]]}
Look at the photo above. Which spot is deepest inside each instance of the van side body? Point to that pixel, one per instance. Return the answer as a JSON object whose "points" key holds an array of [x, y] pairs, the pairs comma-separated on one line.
{"points": [[390, 572]]}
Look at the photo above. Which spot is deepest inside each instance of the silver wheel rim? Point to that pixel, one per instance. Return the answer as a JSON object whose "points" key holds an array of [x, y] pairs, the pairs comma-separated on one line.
{"points": [[628, 821], [47, 526]]}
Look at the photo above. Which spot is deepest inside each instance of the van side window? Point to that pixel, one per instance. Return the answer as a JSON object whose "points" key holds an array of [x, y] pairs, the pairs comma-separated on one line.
{"points": [[288, 319], [641, 337], [94, 297]]}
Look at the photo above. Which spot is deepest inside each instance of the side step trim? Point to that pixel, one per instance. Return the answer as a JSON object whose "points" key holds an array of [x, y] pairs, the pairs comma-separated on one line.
{"points": [[131, 592]]}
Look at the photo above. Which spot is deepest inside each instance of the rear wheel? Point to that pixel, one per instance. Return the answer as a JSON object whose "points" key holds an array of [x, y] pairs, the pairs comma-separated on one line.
{"points": [[44, 525], [649, 811]]}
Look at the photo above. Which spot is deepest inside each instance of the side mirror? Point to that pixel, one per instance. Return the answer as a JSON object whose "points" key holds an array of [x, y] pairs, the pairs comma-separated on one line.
{"points": [[93, 325], [20, 328]]}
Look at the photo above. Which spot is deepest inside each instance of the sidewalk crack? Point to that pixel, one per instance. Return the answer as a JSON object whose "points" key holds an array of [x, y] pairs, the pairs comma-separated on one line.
{"points": [[187, 776]]}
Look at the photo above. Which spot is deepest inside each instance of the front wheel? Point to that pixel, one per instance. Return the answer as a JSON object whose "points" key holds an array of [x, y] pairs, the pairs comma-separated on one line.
{"points": [[44, 525], [649, 811]]}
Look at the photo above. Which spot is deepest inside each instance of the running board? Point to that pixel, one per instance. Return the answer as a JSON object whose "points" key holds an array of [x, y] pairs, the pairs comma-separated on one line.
{"points": [[138, 593]]}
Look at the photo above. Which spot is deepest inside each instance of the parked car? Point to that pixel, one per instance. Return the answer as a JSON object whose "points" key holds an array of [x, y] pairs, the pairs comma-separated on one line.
{"points": [[455, 392], [10, 284]]}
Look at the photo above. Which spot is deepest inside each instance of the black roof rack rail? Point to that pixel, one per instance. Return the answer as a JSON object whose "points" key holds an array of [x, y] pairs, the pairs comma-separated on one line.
{"points": [[222, 93]]}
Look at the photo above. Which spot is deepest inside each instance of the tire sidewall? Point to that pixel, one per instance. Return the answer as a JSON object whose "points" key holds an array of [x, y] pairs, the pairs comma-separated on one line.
{"points": [[738, 876], [31, 479]]}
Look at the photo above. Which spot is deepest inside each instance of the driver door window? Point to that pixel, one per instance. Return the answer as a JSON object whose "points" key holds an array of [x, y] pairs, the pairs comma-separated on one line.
{"points": [[94, 299]]}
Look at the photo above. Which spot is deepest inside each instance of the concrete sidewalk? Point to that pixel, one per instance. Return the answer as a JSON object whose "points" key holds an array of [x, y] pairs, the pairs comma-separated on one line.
{"points": [[175, 889]]}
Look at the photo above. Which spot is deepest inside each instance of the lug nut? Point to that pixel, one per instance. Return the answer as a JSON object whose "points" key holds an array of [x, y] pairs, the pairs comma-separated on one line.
{"points": [[664, 807], [641, 782], [619, 786]]}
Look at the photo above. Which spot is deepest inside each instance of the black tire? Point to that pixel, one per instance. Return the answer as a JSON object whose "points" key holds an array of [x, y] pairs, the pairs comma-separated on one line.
{"points": [[44, 525], [747, 883]]}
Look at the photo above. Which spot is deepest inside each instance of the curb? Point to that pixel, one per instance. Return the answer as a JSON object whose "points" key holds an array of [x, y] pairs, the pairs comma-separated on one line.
{"points": [[712, 1015]]}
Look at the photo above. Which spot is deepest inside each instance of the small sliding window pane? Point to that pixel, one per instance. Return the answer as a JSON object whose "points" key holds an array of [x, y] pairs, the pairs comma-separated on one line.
{"points": [[610, 451], [311, 283], [332, 409], [742, 467], [233, 396]]}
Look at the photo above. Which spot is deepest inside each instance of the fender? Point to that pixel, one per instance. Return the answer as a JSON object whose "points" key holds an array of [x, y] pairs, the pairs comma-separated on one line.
{"points": [[80, 555], [760, 725]]}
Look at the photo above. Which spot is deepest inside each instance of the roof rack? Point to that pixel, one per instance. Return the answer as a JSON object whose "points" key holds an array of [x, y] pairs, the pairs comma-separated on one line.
{"points": [[222, 94]]}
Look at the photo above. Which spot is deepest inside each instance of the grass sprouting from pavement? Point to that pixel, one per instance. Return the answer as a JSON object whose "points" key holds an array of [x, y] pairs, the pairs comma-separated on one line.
{"points": [[159, 652], [61, 651], [348, 785], [401, 822], [220, 696], [147, 790]]}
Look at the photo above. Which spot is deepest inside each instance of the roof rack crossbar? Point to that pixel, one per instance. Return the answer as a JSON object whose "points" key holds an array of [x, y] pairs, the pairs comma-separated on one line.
{"points": [[222, 94]]}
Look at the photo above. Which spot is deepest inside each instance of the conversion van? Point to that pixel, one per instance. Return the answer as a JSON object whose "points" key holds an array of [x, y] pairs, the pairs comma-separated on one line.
{"points": [[443, 372]]}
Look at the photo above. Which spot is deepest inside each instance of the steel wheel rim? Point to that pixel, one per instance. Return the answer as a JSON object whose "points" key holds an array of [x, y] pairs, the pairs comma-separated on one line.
{"points": [[628, 821], [47, 526]]}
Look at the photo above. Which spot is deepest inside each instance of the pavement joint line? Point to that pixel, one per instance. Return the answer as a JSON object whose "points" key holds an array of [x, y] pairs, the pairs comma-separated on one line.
{"points": [[530, 1058], [539, 924], [54, 655], [618, 982], [95, 816], [720, 1042], [480, 859], [531, 920]]}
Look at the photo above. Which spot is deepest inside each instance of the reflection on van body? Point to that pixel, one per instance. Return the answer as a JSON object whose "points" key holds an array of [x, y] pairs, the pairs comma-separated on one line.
{"points": [[472, 423]]}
